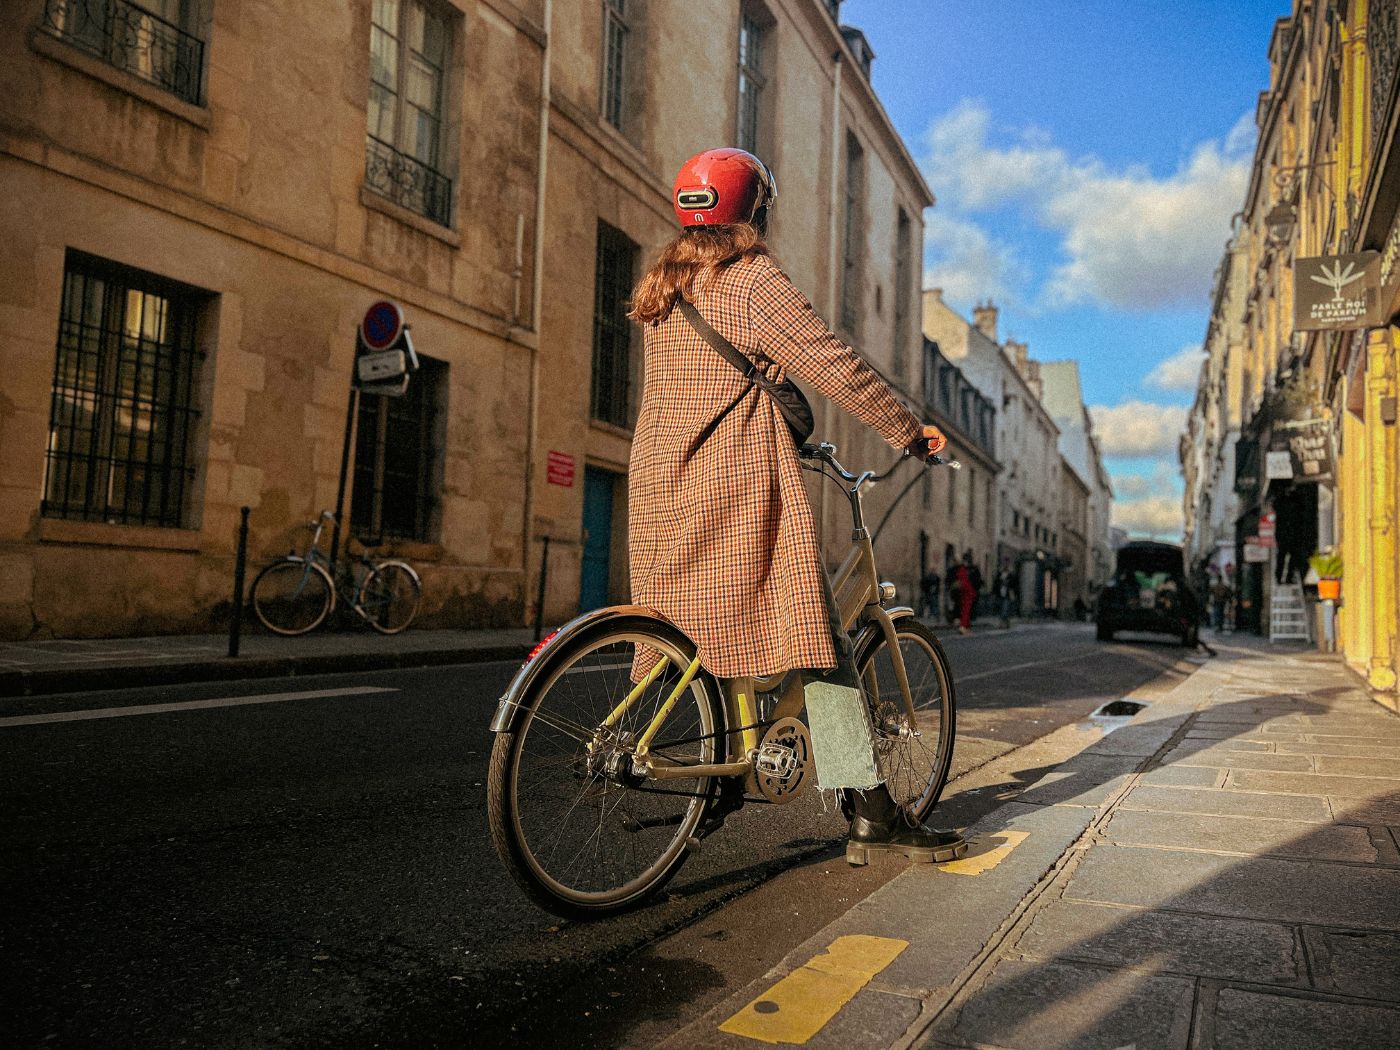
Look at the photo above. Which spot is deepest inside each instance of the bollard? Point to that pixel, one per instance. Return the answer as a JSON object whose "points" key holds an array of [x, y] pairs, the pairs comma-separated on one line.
{"points": [[539, 600], [240, 563]]}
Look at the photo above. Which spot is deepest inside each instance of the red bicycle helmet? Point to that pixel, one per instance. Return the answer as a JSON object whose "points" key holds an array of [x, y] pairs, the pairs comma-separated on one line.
{"points": [[723, 186]]}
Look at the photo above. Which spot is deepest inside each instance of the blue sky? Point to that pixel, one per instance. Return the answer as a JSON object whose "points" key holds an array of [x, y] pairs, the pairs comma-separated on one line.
{"points": [[1086, 156]]}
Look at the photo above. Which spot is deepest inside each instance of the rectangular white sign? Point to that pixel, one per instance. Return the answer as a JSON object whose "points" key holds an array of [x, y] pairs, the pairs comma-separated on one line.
{"points": [[375, 368]]}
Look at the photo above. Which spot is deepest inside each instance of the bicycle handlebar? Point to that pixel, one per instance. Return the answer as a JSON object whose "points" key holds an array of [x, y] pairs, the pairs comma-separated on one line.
{"points": [[826, 452]]}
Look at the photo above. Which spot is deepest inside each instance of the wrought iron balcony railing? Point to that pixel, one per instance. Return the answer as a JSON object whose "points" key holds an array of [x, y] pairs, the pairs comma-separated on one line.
{"points": [[1383, 42], [408, 182], [132, 39]]}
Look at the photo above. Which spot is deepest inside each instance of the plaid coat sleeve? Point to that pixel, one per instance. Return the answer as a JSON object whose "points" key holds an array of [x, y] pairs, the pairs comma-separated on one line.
{"points": [[790, 333]]}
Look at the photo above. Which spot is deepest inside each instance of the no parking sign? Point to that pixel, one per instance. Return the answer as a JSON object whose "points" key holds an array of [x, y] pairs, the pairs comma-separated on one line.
{"points": [[384, 355]]}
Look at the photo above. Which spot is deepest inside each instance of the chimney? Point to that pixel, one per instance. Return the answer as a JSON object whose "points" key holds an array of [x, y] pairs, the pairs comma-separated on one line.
{"points": [[1018, 353], [984, 318]]}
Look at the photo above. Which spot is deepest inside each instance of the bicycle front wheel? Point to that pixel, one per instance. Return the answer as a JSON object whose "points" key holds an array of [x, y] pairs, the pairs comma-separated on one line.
{"points": [[388, 599], [292, 596], [579, 831], [913, 762]]}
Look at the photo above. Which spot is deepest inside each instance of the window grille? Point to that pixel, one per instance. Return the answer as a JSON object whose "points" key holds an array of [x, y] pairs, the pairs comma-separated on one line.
{"points": [[397, 465], [124, 396], [855, 229], [145, 40], [615, 33], [751, 47], [408, 51], [612, 332]]}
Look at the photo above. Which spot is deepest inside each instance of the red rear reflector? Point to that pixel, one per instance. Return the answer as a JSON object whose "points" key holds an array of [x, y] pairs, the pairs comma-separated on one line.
{"points": [[536, 650]]}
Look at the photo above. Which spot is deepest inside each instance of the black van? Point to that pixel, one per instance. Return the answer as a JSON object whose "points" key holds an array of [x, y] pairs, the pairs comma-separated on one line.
{"points": [[1149, 592]]}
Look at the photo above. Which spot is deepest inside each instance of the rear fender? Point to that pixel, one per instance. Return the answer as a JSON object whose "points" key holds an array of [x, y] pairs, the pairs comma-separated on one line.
{"points": [[870, 632], [508, 710]]}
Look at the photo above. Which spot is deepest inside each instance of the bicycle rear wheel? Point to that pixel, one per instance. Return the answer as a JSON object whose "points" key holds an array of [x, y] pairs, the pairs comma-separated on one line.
{"points": [[579, 832], [292, 596], [388, 598], [914, 763]]}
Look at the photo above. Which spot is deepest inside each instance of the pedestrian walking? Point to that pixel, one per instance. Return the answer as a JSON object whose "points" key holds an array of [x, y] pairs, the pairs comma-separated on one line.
{"points": [[1006, 591], [720, 530], [1220, 597], [928, 589], [967, 583]]}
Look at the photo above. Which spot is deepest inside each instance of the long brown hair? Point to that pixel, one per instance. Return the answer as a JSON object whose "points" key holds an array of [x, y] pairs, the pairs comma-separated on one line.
{"points": [[690, 262]]}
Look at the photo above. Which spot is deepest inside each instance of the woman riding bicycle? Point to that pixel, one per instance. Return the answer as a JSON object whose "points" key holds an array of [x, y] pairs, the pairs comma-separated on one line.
{"points": [[721, 536]]}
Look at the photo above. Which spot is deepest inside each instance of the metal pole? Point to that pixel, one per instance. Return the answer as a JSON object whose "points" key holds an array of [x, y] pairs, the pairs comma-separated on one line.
{"points": [[539, 598], [350, 413], [240, 564]]}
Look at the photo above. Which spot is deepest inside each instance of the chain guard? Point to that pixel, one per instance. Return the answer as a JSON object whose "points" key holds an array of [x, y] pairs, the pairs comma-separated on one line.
{"points": [[783, 765]]}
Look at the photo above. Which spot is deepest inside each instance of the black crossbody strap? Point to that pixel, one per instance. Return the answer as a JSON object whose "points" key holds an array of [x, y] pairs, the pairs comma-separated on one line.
{"points": [[722, 346]]}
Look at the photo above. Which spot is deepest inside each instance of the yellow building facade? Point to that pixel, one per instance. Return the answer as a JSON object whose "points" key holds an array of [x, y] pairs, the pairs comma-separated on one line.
{"points": [[1326, 182]]}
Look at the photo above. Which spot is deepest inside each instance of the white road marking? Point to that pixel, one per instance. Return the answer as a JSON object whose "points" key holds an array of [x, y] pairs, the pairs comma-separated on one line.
{"points": [[960, 678], [187, 705]]}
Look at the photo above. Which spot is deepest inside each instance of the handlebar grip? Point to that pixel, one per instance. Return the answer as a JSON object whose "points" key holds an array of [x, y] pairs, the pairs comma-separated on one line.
{"points": [[808, 451]]}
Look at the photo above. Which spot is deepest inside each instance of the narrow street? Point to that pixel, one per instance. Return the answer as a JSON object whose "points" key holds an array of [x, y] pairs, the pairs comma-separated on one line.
{"points": [[305, 861]]}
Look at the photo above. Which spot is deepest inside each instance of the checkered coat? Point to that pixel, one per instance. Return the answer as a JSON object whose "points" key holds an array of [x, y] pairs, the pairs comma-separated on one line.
{"points": [[720, 530]]}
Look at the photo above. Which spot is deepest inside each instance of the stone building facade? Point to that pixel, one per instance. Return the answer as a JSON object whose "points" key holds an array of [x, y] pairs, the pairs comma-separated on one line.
{"points": [[205, 195]]}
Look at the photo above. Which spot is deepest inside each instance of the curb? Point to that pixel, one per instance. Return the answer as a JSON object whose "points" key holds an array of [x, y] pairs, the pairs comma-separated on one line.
{"points": [[83, 679]]}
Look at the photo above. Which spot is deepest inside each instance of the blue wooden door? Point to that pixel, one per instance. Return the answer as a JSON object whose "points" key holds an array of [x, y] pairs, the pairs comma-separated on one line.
{"points": [[597, 543]]}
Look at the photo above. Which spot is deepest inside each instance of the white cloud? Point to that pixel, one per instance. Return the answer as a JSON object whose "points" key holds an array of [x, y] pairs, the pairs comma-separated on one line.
{"points": [[1129, 239], [1158, 516], [1181, 371], [970, 265], [1138, 429]]}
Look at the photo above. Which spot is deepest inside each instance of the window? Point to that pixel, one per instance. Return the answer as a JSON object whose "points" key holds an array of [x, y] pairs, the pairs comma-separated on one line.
{"points": [[903, 251], [408, 52], [751, 80], [123, 402], [952, 476], [148, 40], [397, 465], [852, 255], [615, 39], [972, 495], [612, 332]]}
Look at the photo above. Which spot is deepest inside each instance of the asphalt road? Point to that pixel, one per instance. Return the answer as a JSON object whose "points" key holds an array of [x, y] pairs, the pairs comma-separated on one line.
{"points": [[315, 870]]}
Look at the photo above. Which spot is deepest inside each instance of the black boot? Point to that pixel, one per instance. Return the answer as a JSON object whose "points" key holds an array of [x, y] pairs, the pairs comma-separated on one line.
{"points": [[880, 825]]}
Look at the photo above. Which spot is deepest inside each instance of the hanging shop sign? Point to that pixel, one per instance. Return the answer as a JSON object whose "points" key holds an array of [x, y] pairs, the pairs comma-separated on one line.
{"points": [[384, 354], [1254, 552], [1278, 466], [1336, 292], [1307, 444]]}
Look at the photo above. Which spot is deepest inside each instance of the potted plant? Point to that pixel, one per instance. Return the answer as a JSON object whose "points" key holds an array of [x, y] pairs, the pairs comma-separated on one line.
{"points": [[1328, 566]]}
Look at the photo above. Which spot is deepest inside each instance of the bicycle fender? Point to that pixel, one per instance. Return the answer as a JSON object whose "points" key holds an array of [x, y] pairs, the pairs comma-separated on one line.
{"points": [[872, 628], [508, 710]]}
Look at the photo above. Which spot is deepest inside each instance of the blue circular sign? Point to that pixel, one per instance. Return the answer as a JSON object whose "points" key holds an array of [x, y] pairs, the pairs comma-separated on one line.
{"points": [[382, 325]]}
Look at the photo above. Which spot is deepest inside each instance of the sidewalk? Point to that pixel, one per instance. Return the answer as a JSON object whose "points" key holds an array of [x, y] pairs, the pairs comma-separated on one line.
{"points": [[1224, 871], [28, 668]]}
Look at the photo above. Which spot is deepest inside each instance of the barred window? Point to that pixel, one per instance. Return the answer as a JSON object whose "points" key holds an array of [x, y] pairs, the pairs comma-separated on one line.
{"points": [[615, 38], [612, 332], [854, 250], [751, 80], [397, 465], [124, 397], [148, 40], [408, 52]]}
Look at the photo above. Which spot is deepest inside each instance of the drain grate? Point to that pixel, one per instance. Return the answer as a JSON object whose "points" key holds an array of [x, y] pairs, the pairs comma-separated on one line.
{"points": [[1118, 709]]}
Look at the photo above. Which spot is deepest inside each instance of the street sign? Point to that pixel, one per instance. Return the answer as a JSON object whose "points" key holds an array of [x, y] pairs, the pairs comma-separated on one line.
{"points": [[396, 387], [1268, 522], [559, 469], [382, 325], [373, 368], [1254, 553], [1333, 292]]}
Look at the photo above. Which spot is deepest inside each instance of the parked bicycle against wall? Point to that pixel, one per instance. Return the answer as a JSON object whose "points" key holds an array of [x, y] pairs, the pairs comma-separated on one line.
{"points": [[600, 786], [296, 593]]}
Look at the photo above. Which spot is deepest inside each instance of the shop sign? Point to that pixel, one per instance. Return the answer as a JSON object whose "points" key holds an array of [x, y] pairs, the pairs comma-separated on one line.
{"points": [[1278, 466], [1336, 292], [1308, 445], [559, 469], [1254, 552], [1268, 522]]}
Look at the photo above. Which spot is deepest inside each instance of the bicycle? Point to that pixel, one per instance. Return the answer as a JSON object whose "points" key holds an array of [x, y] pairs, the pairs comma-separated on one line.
{"points": [[592, 809], [296, 593]]}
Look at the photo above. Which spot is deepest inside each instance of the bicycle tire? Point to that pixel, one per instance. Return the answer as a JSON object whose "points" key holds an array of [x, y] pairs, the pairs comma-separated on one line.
{"points": [[915, 773], [389, 596], [547, 788], [292, 596]]}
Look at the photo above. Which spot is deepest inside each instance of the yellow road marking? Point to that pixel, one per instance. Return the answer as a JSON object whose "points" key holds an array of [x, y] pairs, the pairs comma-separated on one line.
{"points": [[798, 1006], [983, 854]]}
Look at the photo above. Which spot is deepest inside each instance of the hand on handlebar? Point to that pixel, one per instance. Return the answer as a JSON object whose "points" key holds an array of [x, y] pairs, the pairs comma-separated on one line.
{"points": [[928, 444]]}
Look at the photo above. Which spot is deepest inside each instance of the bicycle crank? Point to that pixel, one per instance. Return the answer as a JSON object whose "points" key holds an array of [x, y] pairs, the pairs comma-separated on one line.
{"points": [[783, 764]]}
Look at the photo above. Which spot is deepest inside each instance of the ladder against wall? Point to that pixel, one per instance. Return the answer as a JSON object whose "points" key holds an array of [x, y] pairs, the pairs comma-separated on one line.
{"points": [[1288, 614]]}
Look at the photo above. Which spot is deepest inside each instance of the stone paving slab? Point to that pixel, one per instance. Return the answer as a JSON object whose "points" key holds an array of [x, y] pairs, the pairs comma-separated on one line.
{"points": [[1315, 784], [1243, 835], [1373, 814], [1358, 750], [1191, 743], [1087, 780], [1230, 803], [1358, 766], [1355, 962], [1222, 758], [1182, 776], [1028, 1005], [1247, 1020], [1154, 941], [1263, 888]]}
